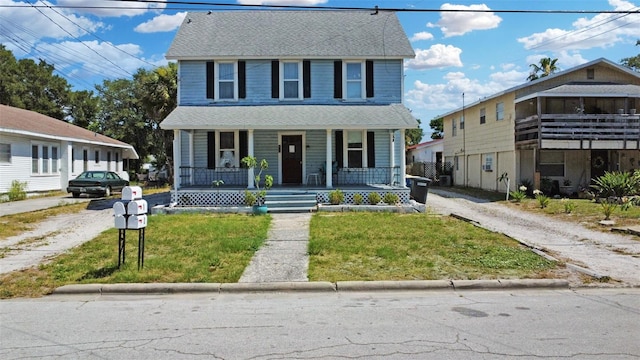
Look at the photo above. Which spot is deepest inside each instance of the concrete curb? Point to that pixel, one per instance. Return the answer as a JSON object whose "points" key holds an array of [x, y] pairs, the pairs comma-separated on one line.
{"points": [[319, 286]]}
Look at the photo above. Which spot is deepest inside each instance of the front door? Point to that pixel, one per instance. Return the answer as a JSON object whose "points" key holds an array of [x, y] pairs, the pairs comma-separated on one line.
{"points": [[599, 163], [292, 159]]}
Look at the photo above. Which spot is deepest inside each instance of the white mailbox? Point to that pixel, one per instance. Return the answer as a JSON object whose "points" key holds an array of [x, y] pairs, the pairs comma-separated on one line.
{"points": [[119, 209], [120, 222], [137, 221], [131, 193], [137, 207]]}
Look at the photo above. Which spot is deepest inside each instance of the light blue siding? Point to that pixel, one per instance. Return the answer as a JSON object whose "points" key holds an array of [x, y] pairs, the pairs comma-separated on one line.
{"points": [[184, 149], [193, 85], [266, 147], [316, 151], [382, 148]]}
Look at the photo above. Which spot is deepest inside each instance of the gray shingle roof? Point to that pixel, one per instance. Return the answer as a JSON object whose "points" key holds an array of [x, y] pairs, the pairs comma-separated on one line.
{"points": [[290, 117], [21, 121], [299, 34], [607, 90]]}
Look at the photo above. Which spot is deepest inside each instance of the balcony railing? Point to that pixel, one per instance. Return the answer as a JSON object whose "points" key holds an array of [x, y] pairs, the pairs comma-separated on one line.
{"points": [[367, 176], [578, 127], [201, 176]]}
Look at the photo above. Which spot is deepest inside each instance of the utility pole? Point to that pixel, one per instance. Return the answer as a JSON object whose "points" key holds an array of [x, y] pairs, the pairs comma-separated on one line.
{"points": [[464, 143]]}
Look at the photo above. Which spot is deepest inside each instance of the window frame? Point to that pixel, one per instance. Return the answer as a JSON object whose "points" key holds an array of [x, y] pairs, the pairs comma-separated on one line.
{"points": [[44, 159], [346, 81], [487, 163], [483, 115], [217, 81], [219, 149], [96, 157], [454, 127], [461, 122], [500, 111], [5, 154], [283, 80], [363, 149]]}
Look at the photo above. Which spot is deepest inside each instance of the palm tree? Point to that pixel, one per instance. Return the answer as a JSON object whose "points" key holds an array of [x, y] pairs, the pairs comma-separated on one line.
{"points": [[547, 67]]}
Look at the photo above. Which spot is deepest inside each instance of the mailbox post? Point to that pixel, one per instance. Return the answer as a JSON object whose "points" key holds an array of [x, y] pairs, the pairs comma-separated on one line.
{"points": [[130, 214]]}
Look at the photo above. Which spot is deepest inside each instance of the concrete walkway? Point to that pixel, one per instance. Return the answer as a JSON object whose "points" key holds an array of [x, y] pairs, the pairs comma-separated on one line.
{"points": [[284, 255]]}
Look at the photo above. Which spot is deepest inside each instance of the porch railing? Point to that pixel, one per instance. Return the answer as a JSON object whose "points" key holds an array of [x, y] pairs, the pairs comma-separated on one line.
{"points": [[578, 127], [364, 176], [202, 176]]}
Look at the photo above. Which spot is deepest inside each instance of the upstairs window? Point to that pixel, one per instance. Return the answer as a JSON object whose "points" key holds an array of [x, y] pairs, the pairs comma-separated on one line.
{"points": [[499, 111], [483, 116], [454, 128], [226, 81], [291, 82], [462, 122], [353, 80]]}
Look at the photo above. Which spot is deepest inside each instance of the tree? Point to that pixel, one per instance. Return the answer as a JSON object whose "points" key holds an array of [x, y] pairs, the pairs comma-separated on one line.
{"points": [[29, 85], [633, 61], [83, 108], [413, 136], [437, 125], [547, 67]]}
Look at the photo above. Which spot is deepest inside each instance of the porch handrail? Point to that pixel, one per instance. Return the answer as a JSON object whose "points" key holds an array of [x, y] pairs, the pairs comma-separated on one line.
{"points": [[203, 176], [578, 127], [366, 176]]}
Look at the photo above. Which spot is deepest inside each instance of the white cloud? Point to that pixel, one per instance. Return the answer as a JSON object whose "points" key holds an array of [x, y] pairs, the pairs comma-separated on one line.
{"points": [[423, 35], [105, 8], [446, 96], [161, 23], [25, 26], [437, 56], [461, 22], [600, 31], [282, 2]]}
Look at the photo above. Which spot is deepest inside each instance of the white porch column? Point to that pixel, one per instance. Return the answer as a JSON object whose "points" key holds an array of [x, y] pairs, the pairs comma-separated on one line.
{"points": [[403, 160], [328, 165], [191, 158], [392, 155], [250, 173], [177, 160]]}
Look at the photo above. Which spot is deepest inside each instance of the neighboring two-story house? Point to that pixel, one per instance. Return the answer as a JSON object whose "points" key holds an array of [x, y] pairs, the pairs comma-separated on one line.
{"points": [[318, 94], [556, 133]]}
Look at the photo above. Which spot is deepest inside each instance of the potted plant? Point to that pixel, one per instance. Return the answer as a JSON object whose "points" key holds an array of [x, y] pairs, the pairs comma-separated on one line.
{"points": [[260, 194]]}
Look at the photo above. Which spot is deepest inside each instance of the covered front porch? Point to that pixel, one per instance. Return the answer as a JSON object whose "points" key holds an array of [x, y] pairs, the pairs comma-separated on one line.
{"points": [[313, 147]]}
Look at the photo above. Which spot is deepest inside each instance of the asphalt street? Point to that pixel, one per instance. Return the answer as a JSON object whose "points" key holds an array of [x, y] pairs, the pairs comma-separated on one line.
{"points": [[523, 324]]}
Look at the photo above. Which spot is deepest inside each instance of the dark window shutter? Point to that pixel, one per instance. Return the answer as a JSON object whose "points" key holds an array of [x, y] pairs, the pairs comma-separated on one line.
{"points": [[275, 79], [339, 149], [369, 77], [371, 149], [242, 79], [243, 136], [306, 78], [211, 150], [211, 83], [337, 79]]}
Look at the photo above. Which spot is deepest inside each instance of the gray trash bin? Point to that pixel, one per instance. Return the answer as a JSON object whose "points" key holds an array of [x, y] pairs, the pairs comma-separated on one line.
{"points": [[419, 188]]}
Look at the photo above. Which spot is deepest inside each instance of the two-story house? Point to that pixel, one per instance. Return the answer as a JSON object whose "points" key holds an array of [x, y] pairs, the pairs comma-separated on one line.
{"points": [[318, 94], [556, 133]]}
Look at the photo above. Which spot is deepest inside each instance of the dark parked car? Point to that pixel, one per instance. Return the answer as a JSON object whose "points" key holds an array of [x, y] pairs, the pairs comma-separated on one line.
{"points": [[97, 183]]}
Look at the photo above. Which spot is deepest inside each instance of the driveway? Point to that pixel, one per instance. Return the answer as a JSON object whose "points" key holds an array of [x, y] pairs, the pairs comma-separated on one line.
{"points": [[603, 254]]}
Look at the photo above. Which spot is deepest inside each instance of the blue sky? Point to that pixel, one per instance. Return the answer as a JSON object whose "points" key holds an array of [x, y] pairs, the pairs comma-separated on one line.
{"points": [[477, 54]]}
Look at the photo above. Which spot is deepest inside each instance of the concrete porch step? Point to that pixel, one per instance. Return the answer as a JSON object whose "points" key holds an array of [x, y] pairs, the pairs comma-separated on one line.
{"points": [[291, 202]]}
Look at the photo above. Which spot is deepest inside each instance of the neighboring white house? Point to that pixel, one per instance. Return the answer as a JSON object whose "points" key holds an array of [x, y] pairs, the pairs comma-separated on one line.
{"points": [[426, 152], [46, 153]]}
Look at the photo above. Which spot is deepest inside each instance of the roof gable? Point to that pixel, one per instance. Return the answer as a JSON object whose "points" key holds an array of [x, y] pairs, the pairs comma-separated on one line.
{"points": [[300, 34]]}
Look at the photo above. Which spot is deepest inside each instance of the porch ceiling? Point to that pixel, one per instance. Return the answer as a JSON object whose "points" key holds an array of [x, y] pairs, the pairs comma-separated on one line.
{"points": [[290, 117]]}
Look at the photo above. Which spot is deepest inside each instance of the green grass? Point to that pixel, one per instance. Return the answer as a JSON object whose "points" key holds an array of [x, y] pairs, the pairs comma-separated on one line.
{"points": [[178, 248], [387, 246]]}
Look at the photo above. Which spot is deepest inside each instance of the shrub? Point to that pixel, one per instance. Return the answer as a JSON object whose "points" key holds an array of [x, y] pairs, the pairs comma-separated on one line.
{"points": [[519, 194], [357, 199], [617, 184], [18, 190], [543, 200], [569, 206], [608, 206], [336, 197], [374, 198], [249, 198], [391, 198]]}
